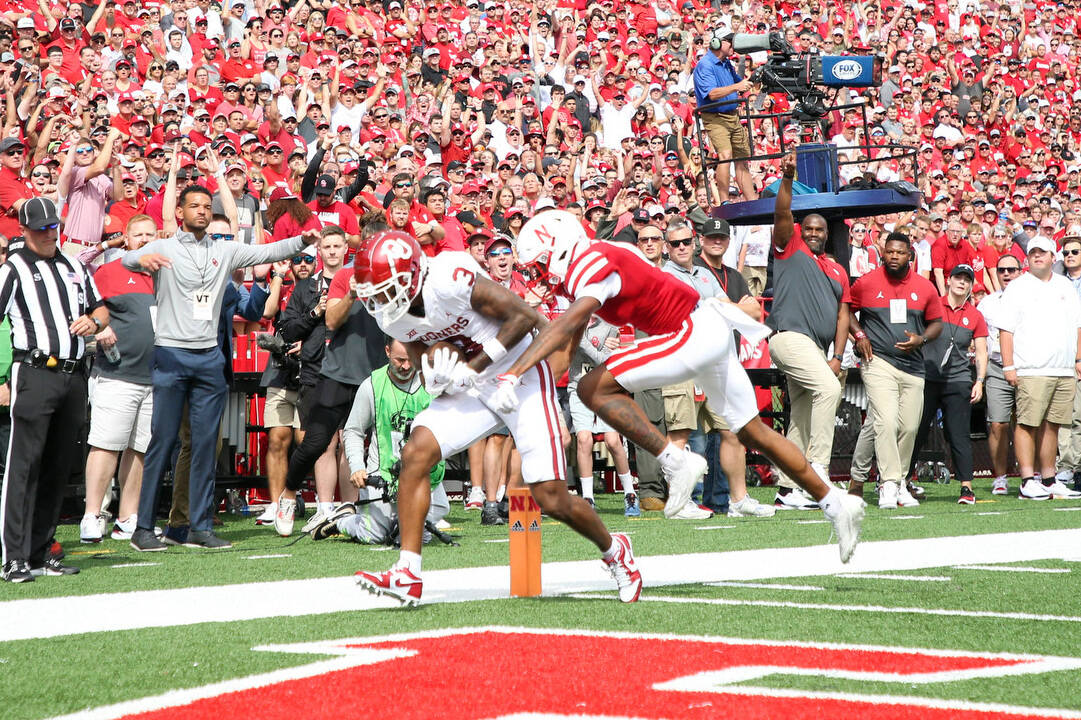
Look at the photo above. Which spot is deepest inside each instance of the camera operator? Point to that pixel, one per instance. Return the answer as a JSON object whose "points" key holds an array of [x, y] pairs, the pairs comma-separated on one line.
{"points": [[385, 404], [717, 86], [304, 321]]}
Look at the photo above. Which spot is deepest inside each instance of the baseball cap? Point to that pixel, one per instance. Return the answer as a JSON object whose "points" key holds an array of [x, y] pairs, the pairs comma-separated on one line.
{"points": [[965, 269], [37, 213], [493, 241], [640, 215], [545, 203], [469, 217], [715, 226], [10, 142], [1037, 243], [281, 193], [324, 185]]}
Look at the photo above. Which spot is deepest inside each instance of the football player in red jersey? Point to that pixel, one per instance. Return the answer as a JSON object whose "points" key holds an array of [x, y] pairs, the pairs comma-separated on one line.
{"points": [[427, 303], [687, 340]]}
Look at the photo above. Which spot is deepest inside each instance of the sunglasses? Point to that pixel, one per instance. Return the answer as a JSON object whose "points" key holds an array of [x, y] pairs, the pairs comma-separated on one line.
{"points": [[681, 243], [1005, 270], [13, 152], [308, 259], [227, 237], [41, 173], [649, 238], [51, 226], [1071, 252], [403, 184], [500, 252]]}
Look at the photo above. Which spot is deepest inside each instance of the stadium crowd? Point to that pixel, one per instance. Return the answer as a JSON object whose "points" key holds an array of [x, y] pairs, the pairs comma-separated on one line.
{"points": [[297, 130]]}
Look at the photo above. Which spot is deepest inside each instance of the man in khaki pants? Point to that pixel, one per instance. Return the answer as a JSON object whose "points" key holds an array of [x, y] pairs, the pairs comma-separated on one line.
{"points": [[899, 313], [1040, 337], [809, 319]]}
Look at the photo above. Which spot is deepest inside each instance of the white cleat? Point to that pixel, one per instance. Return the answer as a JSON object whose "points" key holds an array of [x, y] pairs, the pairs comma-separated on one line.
{"points": [[794, 499], [749, 507], [1000, 487], [1034, 490], [283, 520], [1059, 491], [692, 511], [905, 498], [682, 481], [887, 495]]}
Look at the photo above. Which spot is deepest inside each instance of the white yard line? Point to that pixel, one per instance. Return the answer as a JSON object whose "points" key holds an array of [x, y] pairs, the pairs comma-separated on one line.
{"points": [[134, 565], [1015, 568], [268, 557], [714, 527], [846, 608], [765, 586], [887, 576], [54, 617]]}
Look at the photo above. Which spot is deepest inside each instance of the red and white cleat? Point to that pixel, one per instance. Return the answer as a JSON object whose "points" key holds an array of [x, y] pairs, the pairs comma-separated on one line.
{"points": [[624, 569], [398, 583]]}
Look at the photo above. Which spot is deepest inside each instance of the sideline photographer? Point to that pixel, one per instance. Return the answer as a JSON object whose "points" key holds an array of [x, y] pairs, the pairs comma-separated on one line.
{"points": [[385, 404], [717, 86]]}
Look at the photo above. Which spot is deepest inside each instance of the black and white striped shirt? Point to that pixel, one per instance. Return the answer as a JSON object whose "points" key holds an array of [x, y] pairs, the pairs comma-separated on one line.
{"points": [[42, 297]]}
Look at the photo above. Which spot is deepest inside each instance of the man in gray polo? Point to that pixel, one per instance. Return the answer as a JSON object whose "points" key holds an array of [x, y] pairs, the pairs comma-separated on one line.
{"points": [[191, 269]]}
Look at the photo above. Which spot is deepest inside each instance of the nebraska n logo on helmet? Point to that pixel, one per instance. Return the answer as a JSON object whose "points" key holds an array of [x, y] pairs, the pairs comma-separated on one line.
{"points": [[389, 272], [545, 246]]}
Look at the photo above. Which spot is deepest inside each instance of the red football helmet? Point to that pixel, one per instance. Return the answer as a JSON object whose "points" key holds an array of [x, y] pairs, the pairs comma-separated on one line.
{"points": [[389, 269]]}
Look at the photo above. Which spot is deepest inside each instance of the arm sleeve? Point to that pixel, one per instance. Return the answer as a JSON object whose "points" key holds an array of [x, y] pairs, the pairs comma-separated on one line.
{"points": [[358, 184], [247, 255], [361, 418], [311, 174], [130, 260]]}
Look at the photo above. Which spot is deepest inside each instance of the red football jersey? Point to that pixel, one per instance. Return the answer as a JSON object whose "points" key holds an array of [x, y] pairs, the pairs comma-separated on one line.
{"points": [[649, 299]]}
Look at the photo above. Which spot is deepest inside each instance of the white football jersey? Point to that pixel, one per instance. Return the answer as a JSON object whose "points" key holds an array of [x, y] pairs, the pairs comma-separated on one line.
{"points": [[448, 313]]}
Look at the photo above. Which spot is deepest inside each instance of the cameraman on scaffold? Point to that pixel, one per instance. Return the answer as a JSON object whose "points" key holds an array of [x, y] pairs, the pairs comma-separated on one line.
{"points": [[717, 86]]}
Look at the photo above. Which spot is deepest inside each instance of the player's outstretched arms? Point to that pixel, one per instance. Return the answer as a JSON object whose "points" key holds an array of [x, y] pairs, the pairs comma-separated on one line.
{"points": [[515, 317], [559, 334]]}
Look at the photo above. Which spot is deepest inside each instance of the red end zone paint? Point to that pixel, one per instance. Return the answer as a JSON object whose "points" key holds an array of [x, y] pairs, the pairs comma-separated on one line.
{"points": [[582, 675]]}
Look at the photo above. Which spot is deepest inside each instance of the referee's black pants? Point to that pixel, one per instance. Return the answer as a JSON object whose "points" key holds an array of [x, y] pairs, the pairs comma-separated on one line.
{"points": [[331, 403], [48, 418], [953, 399]]}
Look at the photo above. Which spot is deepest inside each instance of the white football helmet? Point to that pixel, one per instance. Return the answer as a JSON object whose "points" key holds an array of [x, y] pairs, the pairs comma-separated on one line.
{"points": [[545, 247]]}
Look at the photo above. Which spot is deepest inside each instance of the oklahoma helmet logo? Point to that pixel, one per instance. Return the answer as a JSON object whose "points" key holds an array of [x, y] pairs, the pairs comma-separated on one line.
{"points": [[433, 675]]}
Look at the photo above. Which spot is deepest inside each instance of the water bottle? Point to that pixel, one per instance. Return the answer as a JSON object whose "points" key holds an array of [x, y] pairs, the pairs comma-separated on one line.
{"points": [[112, 353]]}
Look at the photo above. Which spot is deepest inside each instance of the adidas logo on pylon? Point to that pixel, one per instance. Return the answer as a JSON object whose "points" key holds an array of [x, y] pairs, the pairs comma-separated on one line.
{"points": [[534, 526], [517, 526]]}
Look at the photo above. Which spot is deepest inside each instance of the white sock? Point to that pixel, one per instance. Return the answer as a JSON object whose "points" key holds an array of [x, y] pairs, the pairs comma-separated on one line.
{"points": [[831, 504], [1001, 478], [273, 508], [587, 487], [410, 561], [500, 493], [326, 508], [671, 458], [610, 552], [627, 481]]}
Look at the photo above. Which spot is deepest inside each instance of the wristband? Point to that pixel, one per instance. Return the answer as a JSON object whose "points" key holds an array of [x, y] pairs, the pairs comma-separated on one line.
{"points": [[1007, 368], [839, 357], [861, 335], [979, 379], [494, 349]]}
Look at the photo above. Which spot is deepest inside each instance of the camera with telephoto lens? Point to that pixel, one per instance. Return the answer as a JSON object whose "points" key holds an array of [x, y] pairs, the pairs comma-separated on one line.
{"points": [[803, 77], [279, 353]]}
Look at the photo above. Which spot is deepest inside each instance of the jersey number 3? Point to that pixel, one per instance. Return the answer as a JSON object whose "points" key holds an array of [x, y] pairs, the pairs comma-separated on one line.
{"points": [[462, 272]]}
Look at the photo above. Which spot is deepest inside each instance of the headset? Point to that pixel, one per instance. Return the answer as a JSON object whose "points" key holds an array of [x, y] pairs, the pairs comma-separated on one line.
{"points": [[716, 37]]}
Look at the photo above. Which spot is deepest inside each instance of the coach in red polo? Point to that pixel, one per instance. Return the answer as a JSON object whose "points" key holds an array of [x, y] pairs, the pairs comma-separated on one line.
{"points": [[899, 313]]}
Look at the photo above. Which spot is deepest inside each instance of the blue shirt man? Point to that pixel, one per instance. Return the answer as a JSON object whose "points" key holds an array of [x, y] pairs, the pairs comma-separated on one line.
{"points": [[713, 71]]}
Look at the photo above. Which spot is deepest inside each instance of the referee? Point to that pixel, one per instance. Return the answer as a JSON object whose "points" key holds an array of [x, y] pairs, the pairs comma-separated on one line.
{"points": [[53, 304], [717, 86]]}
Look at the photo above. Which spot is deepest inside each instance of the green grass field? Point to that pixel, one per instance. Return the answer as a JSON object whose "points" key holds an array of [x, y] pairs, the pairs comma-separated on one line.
{"points": [[59, 675]]}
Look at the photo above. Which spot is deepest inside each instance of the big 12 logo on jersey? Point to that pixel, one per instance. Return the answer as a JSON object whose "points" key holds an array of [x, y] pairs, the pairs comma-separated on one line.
{"points": [[549, 673]]}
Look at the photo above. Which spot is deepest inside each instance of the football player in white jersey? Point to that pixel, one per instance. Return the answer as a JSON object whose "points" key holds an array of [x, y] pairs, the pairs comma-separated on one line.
{"points": [[426, 302]]}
